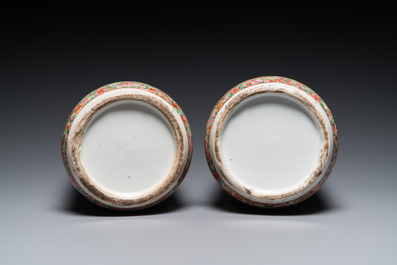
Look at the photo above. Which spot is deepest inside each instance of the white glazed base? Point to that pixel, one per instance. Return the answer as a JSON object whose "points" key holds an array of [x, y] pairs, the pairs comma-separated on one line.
{"points": [[271, 143], [128, 148]]}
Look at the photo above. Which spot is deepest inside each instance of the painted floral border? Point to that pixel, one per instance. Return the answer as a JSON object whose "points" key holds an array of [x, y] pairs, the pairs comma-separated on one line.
{"points": [[245, 85], [100, 91]]}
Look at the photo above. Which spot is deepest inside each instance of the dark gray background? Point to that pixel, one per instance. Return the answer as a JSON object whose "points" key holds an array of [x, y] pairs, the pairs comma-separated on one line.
{"points": [[49, 61]]}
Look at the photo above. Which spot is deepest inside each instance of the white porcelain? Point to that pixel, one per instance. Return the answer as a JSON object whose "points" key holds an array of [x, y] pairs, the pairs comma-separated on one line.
{"points": [[271, 142], [128, 146]]}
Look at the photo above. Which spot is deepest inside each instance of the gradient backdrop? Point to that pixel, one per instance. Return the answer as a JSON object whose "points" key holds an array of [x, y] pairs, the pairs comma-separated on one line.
{"points": [[50, 61]]}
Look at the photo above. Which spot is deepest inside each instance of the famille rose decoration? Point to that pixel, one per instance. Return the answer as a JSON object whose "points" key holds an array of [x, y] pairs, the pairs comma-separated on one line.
{"points": [[127, 146], [271, 142]]}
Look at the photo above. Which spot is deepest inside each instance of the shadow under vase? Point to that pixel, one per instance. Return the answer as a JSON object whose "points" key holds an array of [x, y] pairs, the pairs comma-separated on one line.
{"points": [[318, 203], [76, 203]]}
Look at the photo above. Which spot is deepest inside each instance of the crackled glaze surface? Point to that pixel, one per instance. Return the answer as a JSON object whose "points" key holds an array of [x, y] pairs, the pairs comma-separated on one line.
{"points": [[108, 143], [274, 148]]}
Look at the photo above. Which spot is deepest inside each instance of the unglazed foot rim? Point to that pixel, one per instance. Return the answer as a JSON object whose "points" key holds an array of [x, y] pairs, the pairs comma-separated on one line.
{"points": [[250, 194], [128, 92]]}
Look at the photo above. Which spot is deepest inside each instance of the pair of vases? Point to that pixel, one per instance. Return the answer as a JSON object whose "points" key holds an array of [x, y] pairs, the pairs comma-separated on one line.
{"points": [[270, 142]]}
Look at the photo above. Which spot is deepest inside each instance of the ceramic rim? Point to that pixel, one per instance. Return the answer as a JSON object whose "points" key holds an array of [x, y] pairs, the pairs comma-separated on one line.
{"points": [[262, 87], [106, 97]]}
